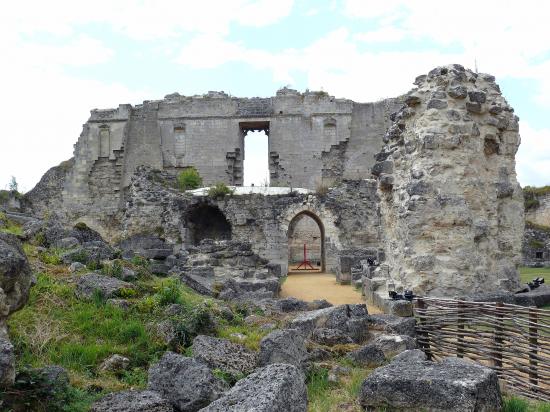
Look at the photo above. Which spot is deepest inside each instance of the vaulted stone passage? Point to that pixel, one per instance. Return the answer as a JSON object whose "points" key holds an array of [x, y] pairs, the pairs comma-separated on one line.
{"points": [[207, 222], [306, 229]]}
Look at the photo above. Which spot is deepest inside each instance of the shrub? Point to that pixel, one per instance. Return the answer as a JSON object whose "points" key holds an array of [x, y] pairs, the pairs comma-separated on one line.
{"points": [[188, 179], [169, 293], [321, 188], [140, 261], [219, 191], [81, 226], [50, 257], [113, 269]]}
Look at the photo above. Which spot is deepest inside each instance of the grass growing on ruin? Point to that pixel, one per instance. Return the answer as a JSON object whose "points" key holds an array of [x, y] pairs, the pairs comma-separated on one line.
{"points": [[8, 226], [516, 404], [326, 396], [528, 274], [56, 328]]}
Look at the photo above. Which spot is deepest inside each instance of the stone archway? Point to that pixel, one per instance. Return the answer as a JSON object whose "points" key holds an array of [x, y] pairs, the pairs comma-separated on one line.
{"points": [[205, 221], [306, 222]]}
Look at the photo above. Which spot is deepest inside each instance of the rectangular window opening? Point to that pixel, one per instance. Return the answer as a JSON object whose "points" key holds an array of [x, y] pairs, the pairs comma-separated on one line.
{"points": [[256, 154]]}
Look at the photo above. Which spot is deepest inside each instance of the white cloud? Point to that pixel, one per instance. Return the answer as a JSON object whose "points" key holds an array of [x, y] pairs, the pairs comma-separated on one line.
{"points": [[143, 20], [533, 157]]}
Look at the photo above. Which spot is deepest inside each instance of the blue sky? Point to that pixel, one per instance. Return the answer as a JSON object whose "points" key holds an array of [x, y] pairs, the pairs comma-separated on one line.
{"points": [[63, 58]]}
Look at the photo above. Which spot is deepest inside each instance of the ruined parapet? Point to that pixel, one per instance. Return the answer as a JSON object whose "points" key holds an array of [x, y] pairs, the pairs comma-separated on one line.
{"points": [[451, 207]]}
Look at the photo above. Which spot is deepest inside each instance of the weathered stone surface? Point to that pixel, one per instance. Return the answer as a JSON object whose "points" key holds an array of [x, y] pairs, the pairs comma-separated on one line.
{"points": [[352, 320], [391, 324], [115, 363], [468, 181], [88, 252], [283, 346], [412, 355], [132, 401], [274, 388], [393, 345], [451, 385], [186, 382], [224, 355], [330, 337], [15, 283], [7, 363], [50, 380], [107, 286], [369, 356]]}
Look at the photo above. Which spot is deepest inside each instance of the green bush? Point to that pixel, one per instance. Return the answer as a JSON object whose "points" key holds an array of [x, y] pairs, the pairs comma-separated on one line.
{"points": [[188, 179], [169, 293], [81, 226], [113, 269], [50, 257], [219, 191]]}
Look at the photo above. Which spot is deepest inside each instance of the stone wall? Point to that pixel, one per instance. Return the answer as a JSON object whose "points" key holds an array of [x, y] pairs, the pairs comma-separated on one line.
{"points": [[538, 212], [262, 220], [314, 139], [536, 245], [452, 209]]}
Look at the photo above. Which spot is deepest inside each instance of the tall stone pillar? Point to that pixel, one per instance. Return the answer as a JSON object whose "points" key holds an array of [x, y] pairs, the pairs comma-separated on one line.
{"points": [[451, 206]]}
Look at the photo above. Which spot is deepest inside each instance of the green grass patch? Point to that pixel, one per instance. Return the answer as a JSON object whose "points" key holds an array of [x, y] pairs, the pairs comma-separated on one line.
{"points": [[527, 274], [517, 404]]}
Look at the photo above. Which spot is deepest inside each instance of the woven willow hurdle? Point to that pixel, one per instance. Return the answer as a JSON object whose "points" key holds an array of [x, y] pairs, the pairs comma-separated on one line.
{"points": [[513, 340]]}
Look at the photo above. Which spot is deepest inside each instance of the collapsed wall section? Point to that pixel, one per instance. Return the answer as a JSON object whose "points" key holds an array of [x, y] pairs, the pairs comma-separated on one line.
{"points": [[451, 207]]}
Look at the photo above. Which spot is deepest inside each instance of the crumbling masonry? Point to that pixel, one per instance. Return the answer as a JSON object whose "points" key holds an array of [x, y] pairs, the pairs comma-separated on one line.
{"points": [[425, 183]]}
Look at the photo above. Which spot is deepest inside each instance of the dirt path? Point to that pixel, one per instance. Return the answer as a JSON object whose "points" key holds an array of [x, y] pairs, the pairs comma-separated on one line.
{"points": [[311, 286]]}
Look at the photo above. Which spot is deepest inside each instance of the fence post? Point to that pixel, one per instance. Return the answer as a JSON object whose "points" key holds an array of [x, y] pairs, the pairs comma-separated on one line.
{"points": [[460, 328], [533, 346], [425, 340], [497, 354]]}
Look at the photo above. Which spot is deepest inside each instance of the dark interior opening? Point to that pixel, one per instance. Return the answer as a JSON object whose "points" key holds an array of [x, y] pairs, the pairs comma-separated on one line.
{"points": [[207, 222], [538, 255]]}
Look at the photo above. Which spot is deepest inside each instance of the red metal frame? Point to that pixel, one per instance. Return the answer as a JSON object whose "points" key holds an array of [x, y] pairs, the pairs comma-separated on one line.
{"points": [[305, 263]]}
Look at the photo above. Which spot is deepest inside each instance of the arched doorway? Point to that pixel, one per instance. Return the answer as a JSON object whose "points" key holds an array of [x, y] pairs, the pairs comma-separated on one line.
{"points": [[306, 229], [205, 221]]}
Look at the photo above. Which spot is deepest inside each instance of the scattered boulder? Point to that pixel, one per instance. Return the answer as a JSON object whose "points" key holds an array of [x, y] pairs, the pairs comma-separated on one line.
{"points": [[283, 346], [352, 320], [67, 242], [450, 385], [330, 337], [186, 382], [274, 388], [89, 252], [224, 355], [128, 275], [115, 363], [15, 282], [108, 286], [119, 303], [48, 381], [132, 401], [393, 345], [76, 266], [148, 246], [412, 355], [369, 356], [391, 324], [7, 363]]}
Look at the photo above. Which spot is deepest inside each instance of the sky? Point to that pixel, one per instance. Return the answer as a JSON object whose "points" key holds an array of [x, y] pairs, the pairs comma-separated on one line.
{"points": [[62, 58]]}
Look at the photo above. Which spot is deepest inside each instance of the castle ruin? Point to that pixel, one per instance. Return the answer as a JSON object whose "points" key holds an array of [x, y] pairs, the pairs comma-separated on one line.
{"points": [[425, 183]]}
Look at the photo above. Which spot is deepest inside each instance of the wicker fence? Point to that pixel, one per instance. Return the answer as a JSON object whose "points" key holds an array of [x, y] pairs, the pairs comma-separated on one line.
{"points": [[513, 340]]}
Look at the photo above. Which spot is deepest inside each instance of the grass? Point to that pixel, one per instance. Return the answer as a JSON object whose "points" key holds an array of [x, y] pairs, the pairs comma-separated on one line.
{"points": [[527, 274], [56, 328], [325, 396], [516, 404], [9, 226]]}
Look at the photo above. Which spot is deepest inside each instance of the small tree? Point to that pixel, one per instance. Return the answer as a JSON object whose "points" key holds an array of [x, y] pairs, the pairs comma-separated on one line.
{"points": [[13, 185], [188, 179]]}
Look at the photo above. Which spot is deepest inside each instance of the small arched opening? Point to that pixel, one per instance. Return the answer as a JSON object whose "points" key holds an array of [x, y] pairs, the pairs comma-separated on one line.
{"points": [[205, 221], [306, 229]]}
